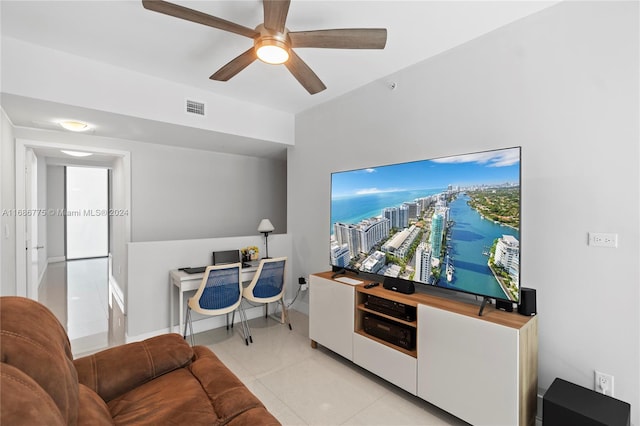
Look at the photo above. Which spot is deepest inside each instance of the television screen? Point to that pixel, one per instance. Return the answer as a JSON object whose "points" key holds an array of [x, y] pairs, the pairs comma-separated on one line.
{"points": [[451, 222]]}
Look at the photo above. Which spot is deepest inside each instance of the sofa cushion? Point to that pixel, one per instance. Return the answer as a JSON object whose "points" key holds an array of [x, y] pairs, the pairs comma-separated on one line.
{"points": [[115, 371], [32, 340], [205, 392], [92, 409], [174, 398]]}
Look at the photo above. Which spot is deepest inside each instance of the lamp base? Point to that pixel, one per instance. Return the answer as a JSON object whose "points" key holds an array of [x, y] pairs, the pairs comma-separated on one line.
{"points": [[266, 244]]}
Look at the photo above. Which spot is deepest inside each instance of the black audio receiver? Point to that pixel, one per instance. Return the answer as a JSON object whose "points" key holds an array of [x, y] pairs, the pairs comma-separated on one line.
{"points": [[390, 307], [398, 334]]}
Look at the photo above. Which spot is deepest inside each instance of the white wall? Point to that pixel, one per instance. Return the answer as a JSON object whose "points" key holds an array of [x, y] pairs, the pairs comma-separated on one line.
{"points": [[120, 226], [150, 262], [563, 84], [42, 219], [7, 221], [113, 89], [55, 222]]}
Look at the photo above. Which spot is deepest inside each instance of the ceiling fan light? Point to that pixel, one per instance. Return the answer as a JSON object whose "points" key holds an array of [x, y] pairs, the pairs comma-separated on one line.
{"points": [[272, 51]]}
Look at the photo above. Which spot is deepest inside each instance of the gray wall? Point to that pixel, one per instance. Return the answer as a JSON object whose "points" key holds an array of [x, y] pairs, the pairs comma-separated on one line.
{"points": [[563, 84], [188, 193], [183, 193]]}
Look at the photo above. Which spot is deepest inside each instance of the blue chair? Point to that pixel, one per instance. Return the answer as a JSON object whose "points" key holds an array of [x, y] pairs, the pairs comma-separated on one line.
{"points": [[220, 292], [267, 286]]}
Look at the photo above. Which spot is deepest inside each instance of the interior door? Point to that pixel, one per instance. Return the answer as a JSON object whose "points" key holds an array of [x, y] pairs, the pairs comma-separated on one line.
{"points": [[31, 222]]}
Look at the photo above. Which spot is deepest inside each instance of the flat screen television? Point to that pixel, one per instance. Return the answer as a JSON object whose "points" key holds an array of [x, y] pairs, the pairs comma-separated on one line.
{"points": [[450, 222]]}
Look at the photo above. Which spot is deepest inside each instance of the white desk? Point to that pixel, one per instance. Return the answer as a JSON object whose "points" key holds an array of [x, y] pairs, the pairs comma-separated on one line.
{"points": [[190, 282]]}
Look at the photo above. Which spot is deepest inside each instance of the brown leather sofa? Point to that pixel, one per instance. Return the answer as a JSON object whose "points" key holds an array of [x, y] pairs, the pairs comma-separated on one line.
{"points": [[160, 381]]}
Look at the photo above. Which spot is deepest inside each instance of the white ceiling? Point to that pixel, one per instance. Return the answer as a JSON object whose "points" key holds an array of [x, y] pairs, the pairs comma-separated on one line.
{"points": [[124, 34]]}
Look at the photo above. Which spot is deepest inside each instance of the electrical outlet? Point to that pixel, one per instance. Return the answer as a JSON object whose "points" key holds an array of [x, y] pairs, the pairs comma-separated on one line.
{"points": [[603, 383], [599, 239], [304, 287]]}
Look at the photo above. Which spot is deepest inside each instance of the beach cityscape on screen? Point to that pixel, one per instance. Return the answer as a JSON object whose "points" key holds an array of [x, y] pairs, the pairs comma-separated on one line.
{"points": [[450, 222]]}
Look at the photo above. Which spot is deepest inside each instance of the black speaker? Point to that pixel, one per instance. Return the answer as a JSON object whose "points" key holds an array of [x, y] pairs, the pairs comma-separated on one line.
{"points": [[504, 305], [401, 286], [565, 403], [527, 304]]}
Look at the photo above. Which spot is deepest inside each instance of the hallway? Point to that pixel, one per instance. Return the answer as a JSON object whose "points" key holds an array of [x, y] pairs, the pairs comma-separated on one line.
{"points": [[77, 292]]}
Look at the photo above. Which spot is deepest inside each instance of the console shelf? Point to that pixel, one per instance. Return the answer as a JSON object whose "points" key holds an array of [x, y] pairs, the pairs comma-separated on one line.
{"points": [[412, 353], [480, 369], [362, 310]]}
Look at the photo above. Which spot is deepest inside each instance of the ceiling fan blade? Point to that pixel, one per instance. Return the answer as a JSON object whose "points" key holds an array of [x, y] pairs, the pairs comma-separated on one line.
{"points": [[304, 74], [353, 38], [235, 66], [198, 17], [275, 14]]}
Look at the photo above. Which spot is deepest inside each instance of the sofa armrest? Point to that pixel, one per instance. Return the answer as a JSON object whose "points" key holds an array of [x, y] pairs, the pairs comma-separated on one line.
{"points": [[117, 370], [232, 401]]}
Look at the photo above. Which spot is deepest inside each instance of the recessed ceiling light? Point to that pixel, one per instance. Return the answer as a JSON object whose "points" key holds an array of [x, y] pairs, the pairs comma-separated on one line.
{"points": [[74, 125], [76, 153]]}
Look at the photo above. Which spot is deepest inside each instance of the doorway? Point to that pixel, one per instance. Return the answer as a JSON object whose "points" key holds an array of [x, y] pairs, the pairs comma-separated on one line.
{"points": [[119, 163], [54, 285]]}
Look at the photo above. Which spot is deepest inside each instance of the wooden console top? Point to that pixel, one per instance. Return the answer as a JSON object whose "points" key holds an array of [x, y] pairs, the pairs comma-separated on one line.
{"points": [[490, 314]]}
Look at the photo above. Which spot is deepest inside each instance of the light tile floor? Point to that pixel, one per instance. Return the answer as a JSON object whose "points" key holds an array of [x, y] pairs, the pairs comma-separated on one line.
{"points": [[304, 386], [77, 292]]}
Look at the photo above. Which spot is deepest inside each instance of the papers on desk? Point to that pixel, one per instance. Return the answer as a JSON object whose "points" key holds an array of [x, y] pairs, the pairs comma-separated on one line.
{"points": [[348, 280]]}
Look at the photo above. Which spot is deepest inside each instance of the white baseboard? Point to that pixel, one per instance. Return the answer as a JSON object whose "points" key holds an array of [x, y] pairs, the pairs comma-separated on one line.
{"points": [[539, 410], [56, 259]]}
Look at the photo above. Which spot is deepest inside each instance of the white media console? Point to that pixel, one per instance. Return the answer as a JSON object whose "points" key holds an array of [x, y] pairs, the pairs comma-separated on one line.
{"points": [[483, 370]]}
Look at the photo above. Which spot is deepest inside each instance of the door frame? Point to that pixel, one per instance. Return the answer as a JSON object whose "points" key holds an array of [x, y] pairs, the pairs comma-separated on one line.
{"points": [[21, 148]]}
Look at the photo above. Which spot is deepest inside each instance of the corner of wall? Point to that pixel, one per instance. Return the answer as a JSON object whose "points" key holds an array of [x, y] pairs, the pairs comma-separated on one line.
{"points": [[7, 205]]}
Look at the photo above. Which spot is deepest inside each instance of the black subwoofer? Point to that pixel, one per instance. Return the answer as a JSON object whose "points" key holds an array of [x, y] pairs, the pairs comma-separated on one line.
{"points": [[565, 403]]}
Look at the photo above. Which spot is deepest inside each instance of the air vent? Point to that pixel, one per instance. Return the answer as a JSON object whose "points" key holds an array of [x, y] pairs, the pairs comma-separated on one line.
{"points": [[194, 107]]}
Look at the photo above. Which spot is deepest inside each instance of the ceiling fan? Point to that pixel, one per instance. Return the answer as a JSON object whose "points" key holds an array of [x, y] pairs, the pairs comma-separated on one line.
{"points": [[273, 43]]}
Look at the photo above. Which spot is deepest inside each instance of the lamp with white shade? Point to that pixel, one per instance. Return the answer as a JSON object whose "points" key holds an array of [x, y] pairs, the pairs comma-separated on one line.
{"points": [[265, 228]]}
